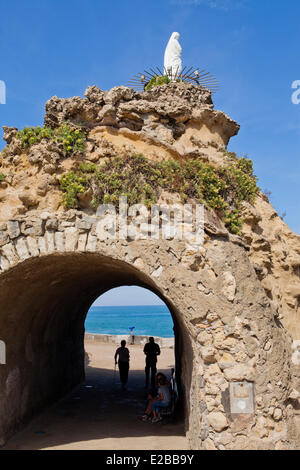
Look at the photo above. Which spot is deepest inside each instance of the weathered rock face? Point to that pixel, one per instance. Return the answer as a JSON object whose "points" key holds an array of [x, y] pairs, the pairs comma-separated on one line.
{"points": [[176, 119], [275, 254], [54, 264]]}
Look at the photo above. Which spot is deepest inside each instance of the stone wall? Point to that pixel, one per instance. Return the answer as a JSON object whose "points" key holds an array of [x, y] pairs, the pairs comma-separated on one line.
{"points": [[275, 254], [138, 339]]}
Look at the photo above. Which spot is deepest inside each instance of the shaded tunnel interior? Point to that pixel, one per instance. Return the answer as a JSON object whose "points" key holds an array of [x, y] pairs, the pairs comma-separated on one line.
{"points": [[43, 306]]}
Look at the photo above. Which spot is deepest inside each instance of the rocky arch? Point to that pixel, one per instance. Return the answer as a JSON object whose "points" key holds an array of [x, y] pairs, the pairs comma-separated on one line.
{"points": [[54, 267], [52, 295], [236, 299]]}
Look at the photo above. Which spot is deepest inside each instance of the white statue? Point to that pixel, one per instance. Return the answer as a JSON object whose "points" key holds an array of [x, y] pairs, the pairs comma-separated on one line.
{"points": [[172, 60]]}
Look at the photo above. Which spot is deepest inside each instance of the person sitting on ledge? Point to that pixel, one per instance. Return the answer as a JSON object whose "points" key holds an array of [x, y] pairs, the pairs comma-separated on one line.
{"points": [[161, 400]]}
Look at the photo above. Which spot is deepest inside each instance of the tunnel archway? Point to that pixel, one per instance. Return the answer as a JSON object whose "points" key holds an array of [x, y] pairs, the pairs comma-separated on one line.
{"points": [[137, 316], [50, 297], [226, 331]]}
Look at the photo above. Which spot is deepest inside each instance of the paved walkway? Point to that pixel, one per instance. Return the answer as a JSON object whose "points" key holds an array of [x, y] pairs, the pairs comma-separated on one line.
{"points": [[98, 415]]}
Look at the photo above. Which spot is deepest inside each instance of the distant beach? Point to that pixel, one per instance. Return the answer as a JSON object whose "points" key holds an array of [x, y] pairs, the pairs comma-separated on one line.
{"points": [[152, 320]]}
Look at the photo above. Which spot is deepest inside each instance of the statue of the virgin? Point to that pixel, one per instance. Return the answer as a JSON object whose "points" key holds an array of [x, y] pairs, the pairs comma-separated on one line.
{"points": [[172, 59]]}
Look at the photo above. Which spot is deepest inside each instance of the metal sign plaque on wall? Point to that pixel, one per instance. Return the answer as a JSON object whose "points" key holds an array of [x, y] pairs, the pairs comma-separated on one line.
{"points": [[2, 352], [241, 398]]}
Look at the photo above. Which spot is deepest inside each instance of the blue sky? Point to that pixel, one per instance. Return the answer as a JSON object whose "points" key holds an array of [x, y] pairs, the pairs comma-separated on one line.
{"points": [[128, 295], [59, 47]]}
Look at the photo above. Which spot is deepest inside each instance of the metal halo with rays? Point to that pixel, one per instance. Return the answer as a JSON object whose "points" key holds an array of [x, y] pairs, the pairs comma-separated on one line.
{"points": [[188, 75]]}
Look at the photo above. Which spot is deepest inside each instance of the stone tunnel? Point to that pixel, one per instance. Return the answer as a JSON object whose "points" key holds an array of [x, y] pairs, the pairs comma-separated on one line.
{"points": [[233, 350], [224, 328]]}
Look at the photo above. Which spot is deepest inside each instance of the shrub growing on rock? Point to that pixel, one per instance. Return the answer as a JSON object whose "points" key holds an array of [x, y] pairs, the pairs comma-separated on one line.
{"points": [[222, 189], [156, 81], [71, 139]]}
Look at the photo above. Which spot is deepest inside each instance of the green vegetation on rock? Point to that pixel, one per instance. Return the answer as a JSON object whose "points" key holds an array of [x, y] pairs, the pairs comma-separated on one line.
{"points": [[72, 140], [156, 81], [2, 177], [222, 189]]}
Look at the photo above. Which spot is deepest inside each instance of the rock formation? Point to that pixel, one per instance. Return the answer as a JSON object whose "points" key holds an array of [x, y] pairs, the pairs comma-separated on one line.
{"points": [[235, 304], [174, 121]]}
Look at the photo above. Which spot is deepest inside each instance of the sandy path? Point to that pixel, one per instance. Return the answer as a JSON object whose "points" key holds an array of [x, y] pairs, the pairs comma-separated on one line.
{"points": [[98, 415]]}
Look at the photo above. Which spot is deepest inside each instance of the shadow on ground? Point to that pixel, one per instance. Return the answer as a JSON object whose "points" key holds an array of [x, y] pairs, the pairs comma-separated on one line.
{"points": [[99, 415]]}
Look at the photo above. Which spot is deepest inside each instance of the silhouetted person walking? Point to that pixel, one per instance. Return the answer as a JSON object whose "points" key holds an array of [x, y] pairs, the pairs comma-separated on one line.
{"points": [[152, 350], [123, 363]]}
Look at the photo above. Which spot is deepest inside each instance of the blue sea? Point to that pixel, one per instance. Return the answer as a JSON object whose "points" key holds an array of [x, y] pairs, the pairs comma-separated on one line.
{"points": [[150, 320]]}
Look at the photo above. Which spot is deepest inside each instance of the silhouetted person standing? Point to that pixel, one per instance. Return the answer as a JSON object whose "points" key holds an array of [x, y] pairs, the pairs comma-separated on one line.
{"points": [[123, 363], [152, 350]]}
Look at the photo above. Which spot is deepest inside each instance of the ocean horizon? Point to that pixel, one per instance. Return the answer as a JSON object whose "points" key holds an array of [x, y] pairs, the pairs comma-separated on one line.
{"points": [[149, 320]]}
